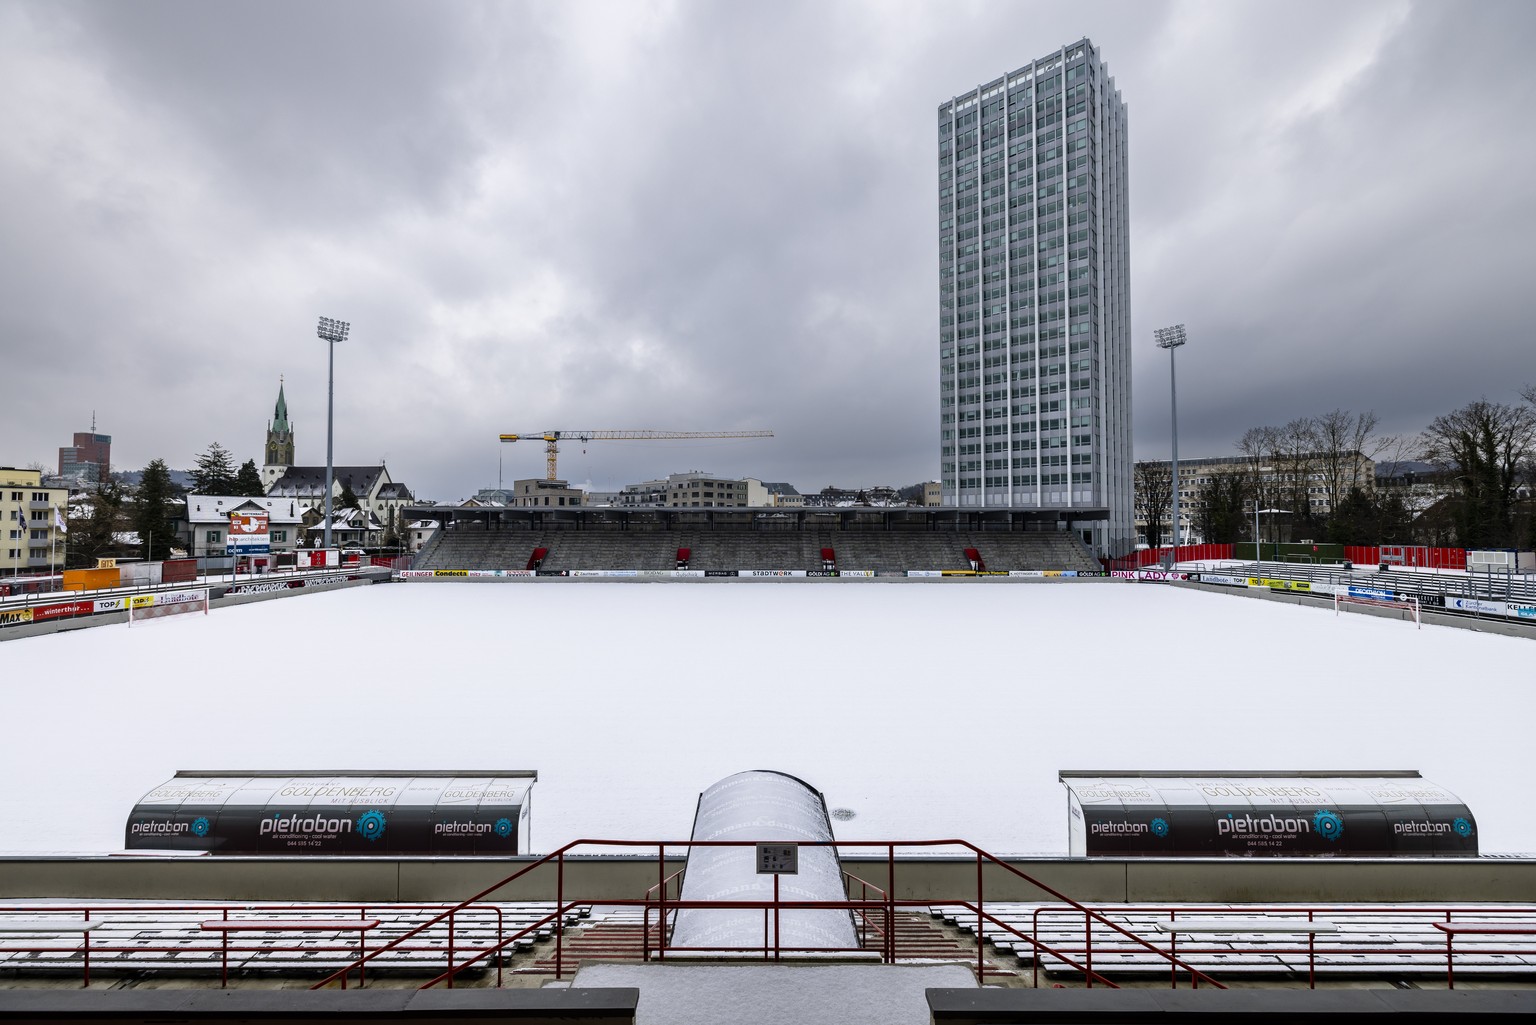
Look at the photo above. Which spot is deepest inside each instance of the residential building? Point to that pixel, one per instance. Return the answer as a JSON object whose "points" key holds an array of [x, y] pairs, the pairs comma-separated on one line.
{"points": [[536, 491], [205, 526], [933, 494], [782, 495], [419, 532], [1034, 297], [32, 517], [88, 460], [350, 528], [705, 490], [1285, 482]]}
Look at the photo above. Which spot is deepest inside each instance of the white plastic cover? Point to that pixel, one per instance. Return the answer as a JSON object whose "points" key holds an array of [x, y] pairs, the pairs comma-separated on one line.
{"points": [[762, 806]]}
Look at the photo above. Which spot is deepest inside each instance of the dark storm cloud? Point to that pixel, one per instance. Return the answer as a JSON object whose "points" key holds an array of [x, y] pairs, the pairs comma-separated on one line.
{"points": [[717, 216]]}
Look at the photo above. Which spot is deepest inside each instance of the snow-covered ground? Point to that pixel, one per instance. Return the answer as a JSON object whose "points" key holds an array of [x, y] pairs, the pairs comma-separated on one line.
{"points": [[929, 710]]}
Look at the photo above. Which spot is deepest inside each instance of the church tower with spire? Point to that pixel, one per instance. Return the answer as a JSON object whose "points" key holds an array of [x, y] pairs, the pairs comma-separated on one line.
{"points": [[279, 450]]}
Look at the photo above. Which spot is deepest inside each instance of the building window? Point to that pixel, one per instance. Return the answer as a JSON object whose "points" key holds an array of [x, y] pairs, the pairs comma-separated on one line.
{"points": [[211, 537]]}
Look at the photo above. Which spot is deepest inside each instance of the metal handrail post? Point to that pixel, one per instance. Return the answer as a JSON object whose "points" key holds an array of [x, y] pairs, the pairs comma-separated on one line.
{"points": [[661, 902], [980, 935], [1088, 948], [559, 910]]}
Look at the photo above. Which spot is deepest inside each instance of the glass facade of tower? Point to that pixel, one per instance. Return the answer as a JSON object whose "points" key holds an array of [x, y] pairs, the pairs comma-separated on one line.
{"points": [[1034, 297]]}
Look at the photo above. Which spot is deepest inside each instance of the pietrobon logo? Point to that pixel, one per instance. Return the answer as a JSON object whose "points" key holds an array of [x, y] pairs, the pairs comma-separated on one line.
{"points": [[1329, 825], [1159, 827], [504, 827], [200, 826], [1428, 827], [370, 825]]}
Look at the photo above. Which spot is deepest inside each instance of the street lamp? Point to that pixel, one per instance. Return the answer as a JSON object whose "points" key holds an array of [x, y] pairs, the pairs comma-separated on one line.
{"points": [[331, 331], [1171, 338]]}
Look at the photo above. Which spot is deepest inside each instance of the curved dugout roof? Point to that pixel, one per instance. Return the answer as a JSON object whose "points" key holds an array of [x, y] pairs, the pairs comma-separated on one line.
{"points": [[1391, 813], [309, 813], [762, 806]]}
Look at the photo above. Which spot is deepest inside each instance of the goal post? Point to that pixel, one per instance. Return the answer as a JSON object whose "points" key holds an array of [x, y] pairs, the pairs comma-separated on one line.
{"points": [[173, 603], [1407, 605]]}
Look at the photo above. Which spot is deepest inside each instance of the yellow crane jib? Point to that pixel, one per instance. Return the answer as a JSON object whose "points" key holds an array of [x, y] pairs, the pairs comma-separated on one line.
{"points": [[551, 439]]}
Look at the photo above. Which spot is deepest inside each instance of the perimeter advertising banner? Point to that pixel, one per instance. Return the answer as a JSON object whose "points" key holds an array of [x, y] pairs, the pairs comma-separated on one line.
{"points": [[1278, 816], [249, 534], [334, 815]]}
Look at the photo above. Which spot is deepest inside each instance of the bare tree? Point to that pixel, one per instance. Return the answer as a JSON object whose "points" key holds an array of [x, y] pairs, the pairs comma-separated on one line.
{"points": [[1345, 440], [1154, 495], [1295, 459], [1484, 445], [1261, 447]]}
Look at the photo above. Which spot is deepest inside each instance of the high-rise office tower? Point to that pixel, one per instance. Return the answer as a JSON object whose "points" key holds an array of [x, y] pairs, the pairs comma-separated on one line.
{"points": [[89, 459], [1034, 298]]}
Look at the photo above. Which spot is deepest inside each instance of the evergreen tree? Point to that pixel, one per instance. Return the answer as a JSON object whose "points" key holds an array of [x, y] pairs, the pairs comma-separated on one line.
{"points": [[248, 481], [152, 510], [1221, 518], [90, 535], [347, 500], [391, 529], [1395, 520], [215, 472]]}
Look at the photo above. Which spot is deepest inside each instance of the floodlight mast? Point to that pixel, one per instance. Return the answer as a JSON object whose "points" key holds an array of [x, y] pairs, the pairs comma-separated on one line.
{"points": [[331, 331], [1171, 338]]}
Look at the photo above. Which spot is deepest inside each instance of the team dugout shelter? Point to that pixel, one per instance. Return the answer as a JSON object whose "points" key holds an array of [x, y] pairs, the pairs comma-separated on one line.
{"points": [[306, 813], [1339, 814]]}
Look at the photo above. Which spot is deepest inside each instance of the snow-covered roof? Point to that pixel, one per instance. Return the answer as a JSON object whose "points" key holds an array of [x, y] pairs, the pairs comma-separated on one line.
{"points": [[216, 508]]}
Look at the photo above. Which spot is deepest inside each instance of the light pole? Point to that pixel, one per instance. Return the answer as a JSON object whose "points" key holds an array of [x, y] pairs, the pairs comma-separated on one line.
{"points": [[1171, 338], [332, 331]]}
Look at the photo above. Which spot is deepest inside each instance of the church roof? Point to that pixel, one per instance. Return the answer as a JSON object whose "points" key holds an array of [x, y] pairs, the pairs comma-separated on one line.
{"points": [[280, 413], [305, 480]]}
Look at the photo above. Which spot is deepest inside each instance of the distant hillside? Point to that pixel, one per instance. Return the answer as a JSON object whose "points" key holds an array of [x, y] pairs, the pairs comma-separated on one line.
{"points": [[180, 479]]}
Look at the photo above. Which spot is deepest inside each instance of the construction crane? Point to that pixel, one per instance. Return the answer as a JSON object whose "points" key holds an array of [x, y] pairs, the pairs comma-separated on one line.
{"points": [[552, 439]]}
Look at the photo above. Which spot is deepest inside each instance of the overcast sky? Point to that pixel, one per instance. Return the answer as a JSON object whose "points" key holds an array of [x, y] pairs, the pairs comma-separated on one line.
{"points": [[720, 216]]}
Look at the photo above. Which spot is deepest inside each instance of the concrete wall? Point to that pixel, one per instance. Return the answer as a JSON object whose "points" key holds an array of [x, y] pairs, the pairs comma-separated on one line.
{"points": [[604, 878]]}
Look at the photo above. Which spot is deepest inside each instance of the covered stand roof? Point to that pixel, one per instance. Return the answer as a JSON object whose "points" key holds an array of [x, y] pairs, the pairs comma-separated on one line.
{"points": [[336, 812], [1340, 813]]}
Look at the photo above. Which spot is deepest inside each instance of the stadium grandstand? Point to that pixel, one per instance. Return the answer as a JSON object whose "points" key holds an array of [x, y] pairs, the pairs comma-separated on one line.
{"points": [[873, 540]]}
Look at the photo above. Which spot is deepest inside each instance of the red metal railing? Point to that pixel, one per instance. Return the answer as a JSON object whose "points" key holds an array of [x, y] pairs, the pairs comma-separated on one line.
{"points": [[190, 916], [657, 900], [1467, 918], [874, 908]]}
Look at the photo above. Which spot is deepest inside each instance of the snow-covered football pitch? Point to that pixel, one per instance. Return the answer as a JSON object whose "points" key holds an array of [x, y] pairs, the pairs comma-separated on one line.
{"points": [[928, 710]]}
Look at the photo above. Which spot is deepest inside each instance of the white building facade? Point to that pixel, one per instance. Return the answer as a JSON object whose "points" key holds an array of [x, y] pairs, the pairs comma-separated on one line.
{"points": [[1034, 297]]}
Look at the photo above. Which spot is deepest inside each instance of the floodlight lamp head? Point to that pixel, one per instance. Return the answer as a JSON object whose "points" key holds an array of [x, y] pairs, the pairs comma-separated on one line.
{"points": [[333, 330], [1170, 337]]}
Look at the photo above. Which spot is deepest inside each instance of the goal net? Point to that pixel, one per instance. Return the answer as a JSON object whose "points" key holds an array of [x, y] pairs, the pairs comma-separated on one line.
{"points": [[172, 603], [1408, 606]]}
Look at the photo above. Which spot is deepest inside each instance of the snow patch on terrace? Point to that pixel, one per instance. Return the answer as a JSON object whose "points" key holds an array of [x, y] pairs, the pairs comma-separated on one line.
{"points": [[930, 710]]}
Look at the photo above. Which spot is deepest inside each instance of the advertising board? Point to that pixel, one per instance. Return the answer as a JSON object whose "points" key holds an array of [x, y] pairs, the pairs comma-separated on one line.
{"points": [[329, 814], [249, 533], [1201, 816]]}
